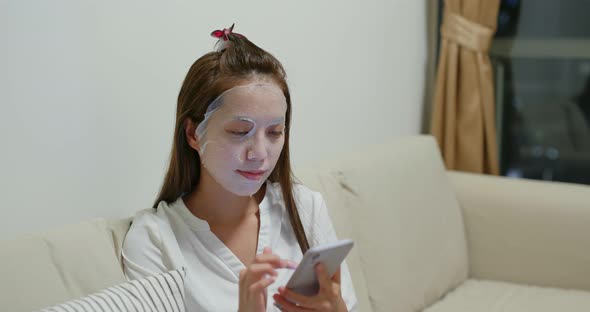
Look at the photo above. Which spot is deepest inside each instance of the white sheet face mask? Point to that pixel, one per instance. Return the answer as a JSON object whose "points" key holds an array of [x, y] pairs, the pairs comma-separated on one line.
{"points": [[242, 136]]}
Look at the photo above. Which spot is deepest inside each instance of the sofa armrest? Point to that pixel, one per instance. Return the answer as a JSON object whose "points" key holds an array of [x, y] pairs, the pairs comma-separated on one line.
{"points": [[526, 231]]}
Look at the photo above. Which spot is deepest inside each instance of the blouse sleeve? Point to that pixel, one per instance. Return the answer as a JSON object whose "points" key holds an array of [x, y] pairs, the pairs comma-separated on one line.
{"points": [[142, 255]]}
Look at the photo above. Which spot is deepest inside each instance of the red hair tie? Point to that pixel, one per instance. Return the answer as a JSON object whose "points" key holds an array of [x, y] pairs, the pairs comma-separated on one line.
{"points": [[224, 34]]}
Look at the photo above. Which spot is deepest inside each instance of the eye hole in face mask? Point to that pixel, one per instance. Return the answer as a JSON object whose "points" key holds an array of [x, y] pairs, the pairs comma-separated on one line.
{"points": [[276, 131], [239, 128]]}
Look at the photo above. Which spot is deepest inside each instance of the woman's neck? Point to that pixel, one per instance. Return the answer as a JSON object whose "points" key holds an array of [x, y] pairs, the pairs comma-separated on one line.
{"points": [[211, 202]]}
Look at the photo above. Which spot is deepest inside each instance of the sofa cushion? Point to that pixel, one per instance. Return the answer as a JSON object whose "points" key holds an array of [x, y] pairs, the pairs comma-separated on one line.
{"points": [[70, 262], [118, 229], [396, 202], [482, 295], [339, 214]]}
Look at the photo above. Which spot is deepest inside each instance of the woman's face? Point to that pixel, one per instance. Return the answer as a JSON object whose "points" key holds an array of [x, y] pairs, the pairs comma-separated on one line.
{"points": [[241, 139]]}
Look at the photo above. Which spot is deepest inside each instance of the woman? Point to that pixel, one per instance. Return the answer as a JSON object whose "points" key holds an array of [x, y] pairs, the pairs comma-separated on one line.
{"points": [[229, 211]]}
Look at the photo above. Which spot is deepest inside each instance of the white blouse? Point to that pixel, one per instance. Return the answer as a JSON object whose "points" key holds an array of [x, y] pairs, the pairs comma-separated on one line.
{"points": [[171, 237]]}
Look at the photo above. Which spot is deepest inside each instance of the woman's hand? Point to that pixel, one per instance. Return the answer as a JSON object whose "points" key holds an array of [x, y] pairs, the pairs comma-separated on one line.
{"points": [[254, 280], [328, 298]]}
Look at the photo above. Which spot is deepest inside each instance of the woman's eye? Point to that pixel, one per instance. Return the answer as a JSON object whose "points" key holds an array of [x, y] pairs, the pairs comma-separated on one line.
{"points": [[240, 133], [276, 133]]}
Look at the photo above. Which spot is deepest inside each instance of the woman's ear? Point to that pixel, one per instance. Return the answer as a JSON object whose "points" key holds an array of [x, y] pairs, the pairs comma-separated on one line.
{"points": [[191, 137]]}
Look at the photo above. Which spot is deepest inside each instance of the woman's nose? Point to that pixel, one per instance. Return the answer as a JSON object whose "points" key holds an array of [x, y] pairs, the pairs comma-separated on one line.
{"points": [[257, 149]]}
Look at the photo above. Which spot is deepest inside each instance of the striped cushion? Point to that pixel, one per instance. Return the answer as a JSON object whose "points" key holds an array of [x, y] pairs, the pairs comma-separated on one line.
{"points": [[164, 292]]}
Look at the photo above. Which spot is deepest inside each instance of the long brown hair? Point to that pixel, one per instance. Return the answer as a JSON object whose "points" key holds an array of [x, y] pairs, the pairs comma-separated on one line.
{"points": [[208, 77]]}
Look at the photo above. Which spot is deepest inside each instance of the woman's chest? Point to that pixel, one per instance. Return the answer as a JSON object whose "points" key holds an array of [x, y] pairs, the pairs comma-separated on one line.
{"points": [[241, 239]]}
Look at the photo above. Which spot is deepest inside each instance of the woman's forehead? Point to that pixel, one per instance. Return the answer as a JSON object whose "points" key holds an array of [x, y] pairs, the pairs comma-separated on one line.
{"points": [[254, 100], [254, 94]]}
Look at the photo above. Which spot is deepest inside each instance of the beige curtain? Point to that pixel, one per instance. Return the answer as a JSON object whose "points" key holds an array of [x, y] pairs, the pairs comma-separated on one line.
{"points": [[463, 113]]}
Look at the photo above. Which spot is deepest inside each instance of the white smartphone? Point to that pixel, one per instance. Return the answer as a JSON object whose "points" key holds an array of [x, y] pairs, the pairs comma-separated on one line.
{"points": [[304, 280]]}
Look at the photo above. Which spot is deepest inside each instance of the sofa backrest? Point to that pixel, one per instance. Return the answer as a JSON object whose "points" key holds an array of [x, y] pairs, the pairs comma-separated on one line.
{"points": [[396, 202], [44, 269]]}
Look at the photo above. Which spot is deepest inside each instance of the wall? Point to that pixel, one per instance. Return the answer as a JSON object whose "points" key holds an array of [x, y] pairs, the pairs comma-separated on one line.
{"points": [[88, 91]]}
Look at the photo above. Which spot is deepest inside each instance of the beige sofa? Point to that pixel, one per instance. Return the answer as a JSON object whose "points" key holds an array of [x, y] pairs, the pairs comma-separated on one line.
{"points": [[426, 239]]}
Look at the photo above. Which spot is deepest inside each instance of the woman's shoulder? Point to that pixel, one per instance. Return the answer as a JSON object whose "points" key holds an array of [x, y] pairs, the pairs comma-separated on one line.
{"points": [[312, 213], [146, 248], [145, 227], [143, 230]]}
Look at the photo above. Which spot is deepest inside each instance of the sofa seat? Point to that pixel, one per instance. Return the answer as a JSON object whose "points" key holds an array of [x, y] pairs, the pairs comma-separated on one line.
{"points": [[493, 296]]}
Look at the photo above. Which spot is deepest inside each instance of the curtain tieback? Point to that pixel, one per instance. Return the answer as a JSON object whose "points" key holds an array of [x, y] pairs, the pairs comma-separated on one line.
{"points": [[466, 33]]}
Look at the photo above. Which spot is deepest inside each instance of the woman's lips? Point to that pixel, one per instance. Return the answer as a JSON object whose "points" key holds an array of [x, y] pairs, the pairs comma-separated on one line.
{"points": [[251, 175]]}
